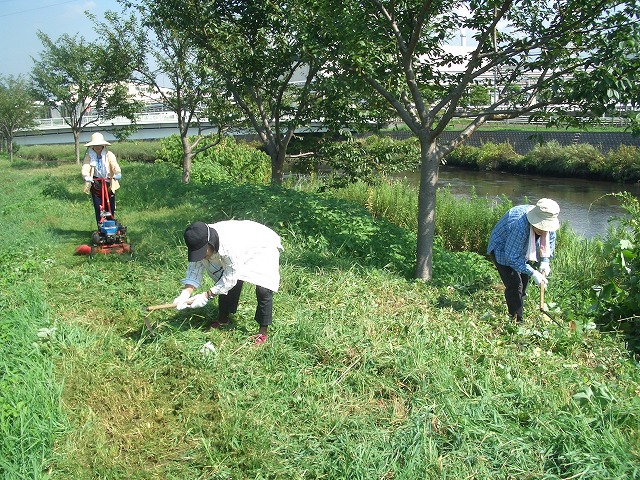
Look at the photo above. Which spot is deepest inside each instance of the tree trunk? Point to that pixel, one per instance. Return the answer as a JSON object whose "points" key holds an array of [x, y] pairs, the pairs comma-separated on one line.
{"points": [[429, 165], [10, 147], [76, 143], [277, 165], [187, 157]]}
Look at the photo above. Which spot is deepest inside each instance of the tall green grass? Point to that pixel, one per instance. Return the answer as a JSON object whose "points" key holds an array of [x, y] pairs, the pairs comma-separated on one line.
{"points": [[141, 151], [366, 374]]}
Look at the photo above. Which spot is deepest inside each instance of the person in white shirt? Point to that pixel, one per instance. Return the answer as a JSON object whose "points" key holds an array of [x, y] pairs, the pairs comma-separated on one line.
{"points": [[100, 165], [232, 252]]}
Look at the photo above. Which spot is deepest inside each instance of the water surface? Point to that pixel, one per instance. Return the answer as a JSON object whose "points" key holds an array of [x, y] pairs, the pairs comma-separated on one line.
{"points": [[585, 205]]}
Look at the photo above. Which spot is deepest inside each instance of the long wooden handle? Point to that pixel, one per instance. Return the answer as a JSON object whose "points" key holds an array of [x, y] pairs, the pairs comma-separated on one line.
{"points": [[151, 308], [542, 296]]}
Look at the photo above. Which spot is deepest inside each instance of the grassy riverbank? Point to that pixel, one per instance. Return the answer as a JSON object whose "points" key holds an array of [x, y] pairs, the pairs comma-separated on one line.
{"points": [[367, 373]]}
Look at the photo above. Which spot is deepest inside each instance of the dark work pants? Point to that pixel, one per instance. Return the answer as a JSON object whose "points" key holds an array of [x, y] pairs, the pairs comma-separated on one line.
{"points": [[515, 289], [228, 303], [97, 201]]}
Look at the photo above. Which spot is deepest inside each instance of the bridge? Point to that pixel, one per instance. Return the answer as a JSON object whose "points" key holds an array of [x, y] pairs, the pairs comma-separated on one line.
{"points": [[156, 125], [153, 125]]}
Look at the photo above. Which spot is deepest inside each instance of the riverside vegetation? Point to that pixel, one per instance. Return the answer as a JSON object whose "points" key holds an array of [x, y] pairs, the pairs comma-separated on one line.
{"points": [[367, 373]]}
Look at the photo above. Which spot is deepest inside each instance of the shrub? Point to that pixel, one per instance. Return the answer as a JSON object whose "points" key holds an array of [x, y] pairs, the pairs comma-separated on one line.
{"points": [[623, 164], [496, 156], [228, 161], [370, 159], [617, 300], [582, 160], [464, 156]]}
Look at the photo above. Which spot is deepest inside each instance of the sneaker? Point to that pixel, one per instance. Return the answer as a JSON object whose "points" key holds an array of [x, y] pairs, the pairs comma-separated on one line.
{"points": [[259, 339], [218, 324]]}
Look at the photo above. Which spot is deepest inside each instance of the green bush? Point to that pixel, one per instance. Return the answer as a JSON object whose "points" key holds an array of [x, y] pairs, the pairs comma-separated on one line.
{"points": [[617, 299], [370, 159], [465, 156], [582, 160], [228, 161], [497, 156], [623, 164]]}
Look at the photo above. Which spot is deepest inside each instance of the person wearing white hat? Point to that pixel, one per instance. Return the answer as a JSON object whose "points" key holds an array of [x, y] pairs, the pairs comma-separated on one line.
{"points": [[523, 237], [99, 165], [232, 252]]}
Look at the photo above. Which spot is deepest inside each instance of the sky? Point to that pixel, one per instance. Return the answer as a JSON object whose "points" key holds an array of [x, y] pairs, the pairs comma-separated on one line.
{"points": [[20, 20]]}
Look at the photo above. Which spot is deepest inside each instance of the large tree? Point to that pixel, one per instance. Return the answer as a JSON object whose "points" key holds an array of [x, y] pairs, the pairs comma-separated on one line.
{"points": [[168, 65], [543, 59], [258, 50], [86, 82], [17, 108]]}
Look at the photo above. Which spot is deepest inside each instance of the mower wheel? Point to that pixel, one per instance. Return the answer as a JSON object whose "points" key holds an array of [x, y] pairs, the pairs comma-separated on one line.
{"points": [[95, 239]]}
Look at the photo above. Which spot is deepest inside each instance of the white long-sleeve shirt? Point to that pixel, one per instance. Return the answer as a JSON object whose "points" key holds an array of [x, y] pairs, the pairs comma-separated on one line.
{"points": [[247, 251]]}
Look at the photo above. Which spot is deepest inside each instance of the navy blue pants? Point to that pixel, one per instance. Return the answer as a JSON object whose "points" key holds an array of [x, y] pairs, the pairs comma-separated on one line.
{"points": [[515, 289], [97, 200], [228, 303]]}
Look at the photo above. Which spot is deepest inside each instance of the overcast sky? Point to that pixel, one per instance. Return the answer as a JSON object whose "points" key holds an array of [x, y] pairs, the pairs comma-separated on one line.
{"points": [[20, 20]]}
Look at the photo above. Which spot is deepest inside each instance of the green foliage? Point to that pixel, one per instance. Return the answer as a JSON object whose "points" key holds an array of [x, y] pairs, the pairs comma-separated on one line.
{"points": [[370, 159], [617, 299], [228, 161], [622, 164], [136, 151], [496, 156], [17, 109], [551, 158], [462, 224]]}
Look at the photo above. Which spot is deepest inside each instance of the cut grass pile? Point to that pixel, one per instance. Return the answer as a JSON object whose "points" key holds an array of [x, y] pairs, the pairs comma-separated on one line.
{"points": [[366, 374]]}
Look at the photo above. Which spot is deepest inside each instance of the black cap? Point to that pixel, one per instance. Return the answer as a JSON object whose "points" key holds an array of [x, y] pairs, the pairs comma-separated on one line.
{"points": [[196, 236]]}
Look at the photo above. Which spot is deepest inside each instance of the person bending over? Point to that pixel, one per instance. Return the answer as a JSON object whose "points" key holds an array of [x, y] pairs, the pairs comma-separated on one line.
{"points": [[523, 237], [232, 252]]}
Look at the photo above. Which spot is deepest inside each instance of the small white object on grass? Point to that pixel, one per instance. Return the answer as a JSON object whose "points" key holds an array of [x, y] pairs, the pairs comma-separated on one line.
{"points": [[207, 348]]}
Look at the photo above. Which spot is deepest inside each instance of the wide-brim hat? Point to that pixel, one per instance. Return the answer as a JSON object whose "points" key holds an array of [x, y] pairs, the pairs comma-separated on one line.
{"points": [[97, 139], [544, 216], [196, 236]]}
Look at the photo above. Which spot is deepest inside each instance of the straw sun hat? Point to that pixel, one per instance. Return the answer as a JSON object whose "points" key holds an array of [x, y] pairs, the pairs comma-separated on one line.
{"points": [[97, 139], [544, 216]]}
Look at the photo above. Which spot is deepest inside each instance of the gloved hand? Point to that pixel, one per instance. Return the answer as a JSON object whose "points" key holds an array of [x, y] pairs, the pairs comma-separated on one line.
{"points": [[539, 278], [88, 179], [181, 300], [117, 176], [199, 300], [545, 268]]}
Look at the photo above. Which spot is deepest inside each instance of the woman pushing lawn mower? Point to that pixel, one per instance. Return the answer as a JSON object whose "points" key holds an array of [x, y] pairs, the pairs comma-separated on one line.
{"points": [[101, 173], [101, 165]]}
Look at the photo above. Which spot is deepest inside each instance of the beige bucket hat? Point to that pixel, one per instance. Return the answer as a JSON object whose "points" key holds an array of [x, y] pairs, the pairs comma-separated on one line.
{"points": [[97, 139], [544, 216]]}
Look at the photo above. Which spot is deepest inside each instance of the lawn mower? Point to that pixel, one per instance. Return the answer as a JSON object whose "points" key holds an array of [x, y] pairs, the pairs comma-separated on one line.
{"points": [[111, 236]]}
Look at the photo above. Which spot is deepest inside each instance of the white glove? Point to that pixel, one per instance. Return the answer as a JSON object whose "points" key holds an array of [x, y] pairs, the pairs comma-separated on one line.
{"points": [[88, 179], [181, 300], [117, 176], [199, 300], [539, 278], [545, 268]]}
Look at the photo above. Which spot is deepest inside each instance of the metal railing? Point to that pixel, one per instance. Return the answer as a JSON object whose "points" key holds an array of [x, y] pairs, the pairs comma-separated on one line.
{"points": [[141, 119]]}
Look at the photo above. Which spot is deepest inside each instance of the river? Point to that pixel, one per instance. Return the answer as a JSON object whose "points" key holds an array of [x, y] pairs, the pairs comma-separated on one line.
{"points": [[584, 204]]}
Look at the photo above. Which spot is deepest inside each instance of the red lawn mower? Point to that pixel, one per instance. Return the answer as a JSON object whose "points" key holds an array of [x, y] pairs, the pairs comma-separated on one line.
{"points": [[111, 236]]}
